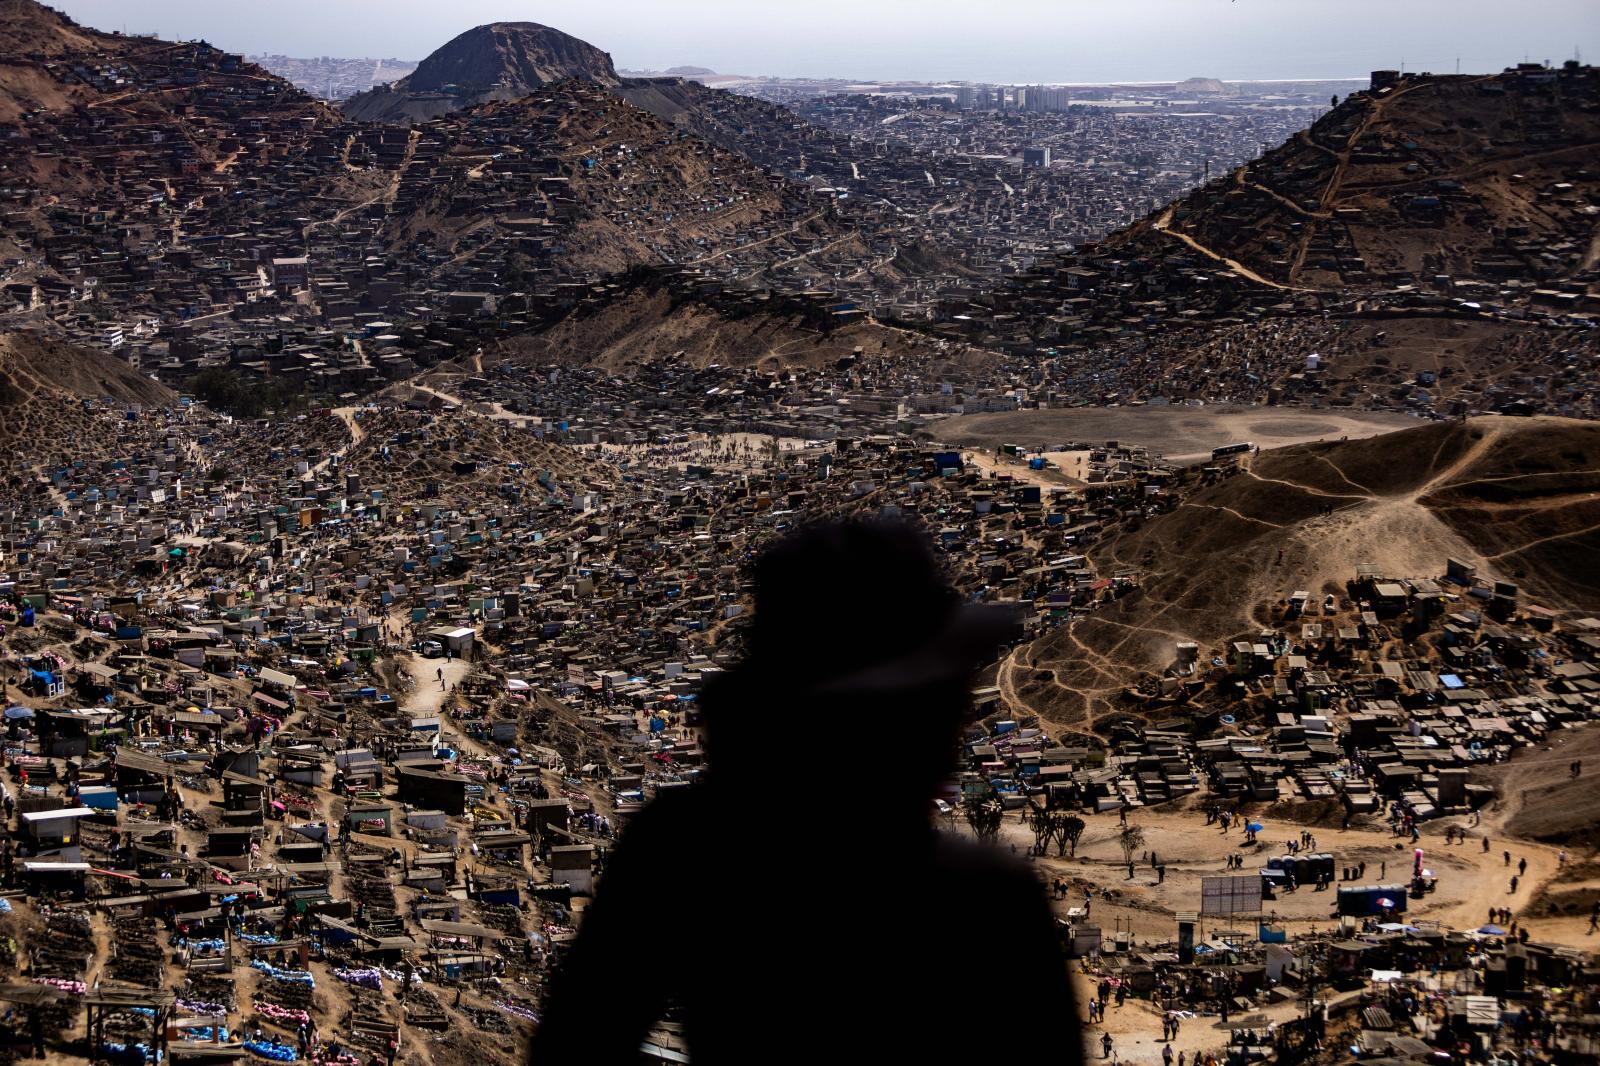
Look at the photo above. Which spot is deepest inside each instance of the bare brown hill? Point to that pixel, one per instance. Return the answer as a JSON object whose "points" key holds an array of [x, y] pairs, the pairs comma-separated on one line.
{"points": [[37, 367], [34, 35], [1541, 800], [44, 383], [1481, 176], [1518, 498], [500, 61], [32, 29], [651, 324], [101, 107], [617, 188]]}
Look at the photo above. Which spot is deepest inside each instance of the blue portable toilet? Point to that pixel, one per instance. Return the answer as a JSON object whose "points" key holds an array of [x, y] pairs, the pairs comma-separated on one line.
{"points": [[100, 797]]}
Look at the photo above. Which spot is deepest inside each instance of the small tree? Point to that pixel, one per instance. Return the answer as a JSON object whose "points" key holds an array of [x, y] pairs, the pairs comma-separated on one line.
{"points": [[1131, 840], [1042, 822], [1068, 830], [983, 816]]}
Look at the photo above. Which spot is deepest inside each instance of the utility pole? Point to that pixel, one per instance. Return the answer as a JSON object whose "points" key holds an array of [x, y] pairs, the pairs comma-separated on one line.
{"points": [[1310, 1024]]}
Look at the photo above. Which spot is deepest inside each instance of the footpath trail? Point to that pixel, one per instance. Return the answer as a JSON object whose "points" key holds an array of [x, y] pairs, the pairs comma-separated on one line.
{"points": [[1164, 225], [352, 425], [427, 695]]}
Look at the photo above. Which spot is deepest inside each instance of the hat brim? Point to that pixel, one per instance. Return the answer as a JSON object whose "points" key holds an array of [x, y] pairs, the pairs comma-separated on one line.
{"points": [[974, 635]]}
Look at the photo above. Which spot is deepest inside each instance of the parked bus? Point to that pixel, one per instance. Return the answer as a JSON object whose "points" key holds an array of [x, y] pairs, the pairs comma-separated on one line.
{"points": [[1231, 449]]}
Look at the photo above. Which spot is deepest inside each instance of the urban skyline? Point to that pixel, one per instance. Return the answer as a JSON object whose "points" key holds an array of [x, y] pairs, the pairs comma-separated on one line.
{"points": [[1140, 40]]}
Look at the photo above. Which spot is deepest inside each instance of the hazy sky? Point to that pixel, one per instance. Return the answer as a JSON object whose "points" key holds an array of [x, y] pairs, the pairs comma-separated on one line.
{"points": [[980, 40]]}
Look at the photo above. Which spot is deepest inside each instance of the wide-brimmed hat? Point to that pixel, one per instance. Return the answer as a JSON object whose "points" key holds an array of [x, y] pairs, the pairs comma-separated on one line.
{"points": [[863, 606]]}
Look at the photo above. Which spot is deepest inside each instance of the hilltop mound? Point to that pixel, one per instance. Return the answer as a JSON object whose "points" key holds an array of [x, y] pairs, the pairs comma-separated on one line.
{"points": [[632, 190], [500, 61], [1432, 177], [1518, 498], [1201, 85], [651, 324]]}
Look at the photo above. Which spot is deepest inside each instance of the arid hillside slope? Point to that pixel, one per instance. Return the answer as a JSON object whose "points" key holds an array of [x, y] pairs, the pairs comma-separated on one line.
{"points": [[1480, 176], [650, 324], [44, 383], [598, 184], [1517, 498]]}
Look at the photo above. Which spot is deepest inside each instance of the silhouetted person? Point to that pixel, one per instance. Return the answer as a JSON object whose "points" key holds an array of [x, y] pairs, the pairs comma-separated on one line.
{"points": [[796, 904]]}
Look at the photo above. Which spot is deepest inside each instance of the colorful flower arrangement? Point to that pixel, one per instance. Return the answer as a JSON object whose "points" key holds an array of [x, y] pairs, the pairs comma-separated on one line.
{"points": [[367, 978], [73, 988], [271, 1049], [286, 1015], [518, 1010], [132, 1053], [302, 977]]}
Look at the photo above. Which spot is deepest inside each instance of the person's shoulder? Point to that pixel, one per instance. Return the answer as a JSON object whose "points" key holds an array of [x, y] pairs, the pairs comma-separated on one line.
{"points": [[971, 858], [671, 811]]}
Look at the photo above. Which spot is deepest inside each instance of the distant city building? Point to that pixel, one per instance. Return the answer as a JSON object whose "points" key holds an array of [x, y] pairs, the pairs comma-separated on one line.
{"points": [[1036, 157]]}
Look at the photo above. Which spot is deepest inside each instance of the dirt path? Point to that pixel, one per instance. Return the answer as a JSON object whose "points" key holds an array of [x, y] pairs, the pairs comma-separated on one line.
{"points": [[1164, 224], [791, 231], [386, 196], [1068, 470], [1307, 489], [482, 410], [1471, 881], [347, 415], [1242, 179], [431, 679]]}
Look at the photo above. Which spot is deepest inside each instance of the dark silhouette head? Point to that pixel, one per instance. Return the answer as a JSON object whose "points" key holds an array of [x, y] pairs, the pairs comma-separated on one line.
{"points": [[802, 873], [855, 628]]}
